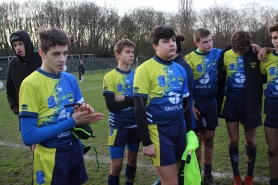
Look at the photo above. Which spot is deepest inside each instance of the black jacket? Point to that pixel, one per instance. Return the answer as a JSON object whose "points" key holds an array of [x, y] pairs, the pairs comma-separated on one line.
{"points": [[254, 87], [81, 68], [19, 68]]}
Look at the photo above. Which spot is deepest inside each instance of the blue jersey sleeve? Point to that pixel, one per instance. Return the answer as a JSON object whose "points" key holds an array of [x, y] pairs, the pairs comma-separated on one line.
{"points": [[32, 135]]}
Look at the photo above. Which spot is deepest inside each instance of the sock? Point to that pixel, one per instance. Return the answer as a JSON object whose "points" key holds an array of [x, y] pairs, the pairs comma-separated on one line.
{"points": [[207, 169], [129, 174], [113, 180], [273, 181], [234, 156], [251, 159]]}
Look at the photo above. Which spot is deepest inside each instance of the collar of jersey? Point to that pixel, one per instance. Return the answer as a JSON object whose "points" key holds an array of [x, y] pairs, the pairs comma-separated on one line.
{"points": [[123, 72], [274, 53], [164, 62], [50, 75], [198, 53]]}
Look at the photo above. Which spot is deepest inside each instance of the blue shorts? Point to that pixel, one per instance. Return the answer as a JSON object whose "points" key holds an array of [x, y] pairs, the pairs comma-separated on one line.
{"points": [[208, 111], [169, 142], [271, 121], [234, 110], [58, 166], [119, 138], [271, 106]]}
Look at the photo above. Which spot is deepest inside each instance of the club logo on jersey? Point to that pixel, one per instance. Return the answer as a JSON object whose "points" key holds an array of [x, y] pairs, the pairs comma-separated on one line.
{"points": [[161, 81], [40, 177], [69, 95], [174, 98], [199, 68], [120, 87], [272, 70], [239, 78], [214, 63], [24, 107], [253, 64], [205, 79], [51, 102], [232, 66]]}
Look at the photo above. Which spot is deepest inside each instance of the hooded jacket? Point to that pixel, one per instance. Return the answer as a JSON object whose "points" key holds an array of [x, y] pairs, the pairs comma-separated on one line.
{"points": [[254, 87], [19, 68]]}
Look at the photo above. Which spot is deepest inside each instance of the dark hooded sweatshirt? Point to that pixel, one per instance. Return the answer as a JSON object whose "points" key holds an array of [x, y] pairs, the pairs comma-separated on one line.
{"points": [[254, 87], [19, 68]]}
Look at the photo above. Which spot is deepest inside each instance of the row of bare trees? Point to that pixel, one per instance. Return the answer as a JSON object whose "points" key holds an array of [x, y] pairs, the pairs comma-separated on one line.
{"points": [[95, 29]]}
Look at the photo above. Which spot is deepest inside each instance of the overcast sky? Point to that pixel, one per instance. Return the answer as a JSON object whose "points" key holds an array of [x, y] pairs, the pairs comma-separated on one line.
{"points": [[172, 5]]}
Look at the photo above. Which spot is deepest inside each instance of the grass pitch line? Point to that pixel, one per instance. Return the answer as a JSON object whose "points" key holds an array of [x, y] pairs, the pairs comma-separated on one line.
{"points": [[140, 165]]}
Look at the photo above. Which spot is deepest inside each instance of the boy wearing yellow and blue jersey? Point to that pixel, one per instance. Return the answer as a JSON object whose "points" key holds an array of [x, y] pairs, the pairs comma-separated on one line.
{"points": [[47, 119], [161, 104], [204, 62], [240, 81], [118, 93], [270, 68]]}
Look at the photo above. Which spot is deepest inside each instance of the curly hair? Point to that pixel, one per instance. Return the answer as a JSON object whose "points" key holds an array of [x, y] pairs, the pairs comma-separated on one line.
{"points": [[241, 41]]}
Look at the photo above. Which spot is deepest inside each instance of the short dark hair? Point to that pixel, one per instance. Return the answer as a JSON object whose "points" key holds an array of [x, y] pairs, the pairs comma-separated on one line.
{"points": [[200, 33], [119, 46], [273, 29], [241, 40], [161, 32], [51, 37], [179, 39]]}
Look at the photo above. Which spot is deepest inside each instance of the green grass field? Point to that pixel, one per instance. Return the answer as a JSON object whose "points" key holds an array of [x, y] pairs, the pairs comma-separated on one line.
{"points": [[16, 160]]}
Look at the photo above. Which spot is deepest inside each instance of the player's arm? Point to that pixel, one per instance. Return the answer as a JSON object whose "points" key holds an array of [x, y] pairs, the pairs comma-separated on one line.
{"points": [[11, 93], [262, 54], [141, 119], [187, 113], [32, 135], [112, 104]]}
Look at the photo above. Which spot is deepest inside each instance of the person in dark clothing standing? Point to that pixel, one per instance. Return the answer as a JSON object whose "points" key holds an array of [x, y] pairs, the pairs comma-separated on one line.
{"points": [[26, 62], [81, 70], [241, 82]]}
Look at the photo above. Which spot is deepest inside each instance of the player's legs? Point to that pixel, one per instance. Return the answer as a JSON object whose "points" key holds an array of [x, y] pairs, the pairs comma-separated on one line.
{"points": [[199, 149], [251, 151], [131, 154], [233, 133], [168, 174], [116, 142], [169, 142], [271, 134], [116, 166]]}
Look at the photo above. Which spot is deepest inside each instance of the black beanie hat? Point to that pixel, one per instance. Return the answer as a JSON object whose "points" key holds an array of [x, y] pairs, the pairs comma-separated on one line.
{"points": [[16, 37]]}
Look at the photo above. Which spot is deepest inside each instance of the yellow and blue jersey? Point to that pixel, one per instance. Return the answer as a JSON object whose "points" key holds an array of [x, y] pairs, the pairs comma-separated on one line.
{"points": [[235, 78], [204, 68], [164, 84], [119, 82], [270, 68], [43, 96]]}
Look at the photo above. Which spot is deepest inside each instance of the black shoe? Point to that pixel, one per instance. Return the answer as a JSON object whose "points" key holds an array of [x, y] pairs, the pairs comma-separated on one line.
{"points": [[208, 180]]}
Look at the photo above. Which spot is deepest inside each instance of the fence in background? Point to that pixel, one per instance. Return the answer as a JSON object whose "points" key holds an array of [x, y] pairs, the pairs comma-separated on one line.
{"points": [[91, 63]]}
